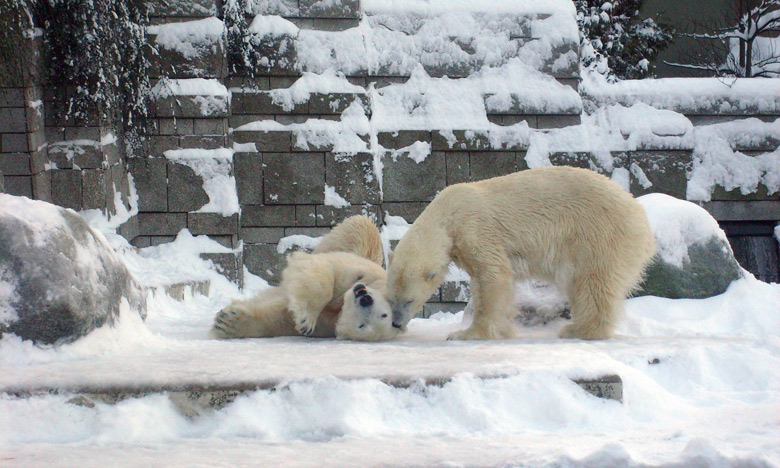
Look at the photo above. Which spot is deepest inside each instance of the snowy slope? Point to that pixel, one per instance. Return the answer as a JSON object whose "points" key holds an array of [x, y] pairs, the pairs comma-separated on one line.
{"points": [[701, 388]]}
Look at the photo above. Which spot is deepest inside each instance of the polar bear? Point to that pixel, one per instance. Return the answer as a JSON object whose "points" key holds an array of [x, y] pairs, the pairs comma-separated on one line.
{"points": [[337, 290], [570, 227]]}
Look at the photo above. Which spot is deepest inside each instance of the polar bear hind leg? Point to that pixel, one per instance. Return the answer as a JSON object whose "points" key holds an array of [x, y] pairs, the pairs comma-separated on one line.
{"points": [[265, 315]]}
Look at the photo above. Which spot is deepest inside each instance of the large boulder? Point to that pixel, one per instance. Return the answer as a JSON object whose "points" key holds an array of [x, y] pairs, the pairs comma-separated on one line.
{"points": [[59, 279], [694, 259]]}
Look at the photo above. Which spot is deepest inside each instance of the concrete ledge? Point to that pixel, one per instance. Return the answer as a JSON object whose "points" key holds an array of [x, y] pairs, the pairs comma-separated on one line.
{"points": [[761, 210], [193, 400]]}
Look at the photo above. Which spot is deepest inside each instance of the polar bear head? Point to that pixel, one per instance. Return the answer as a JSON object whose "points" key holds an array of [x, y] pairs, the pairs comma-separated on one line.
{"points": [[416, 268], [365, 316]]}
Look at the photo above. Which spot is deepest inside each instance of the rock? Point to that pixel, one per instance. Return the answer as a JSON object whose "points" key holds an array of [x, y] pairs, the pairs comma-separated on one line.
{"points": [[694, 258], [59, 279]]}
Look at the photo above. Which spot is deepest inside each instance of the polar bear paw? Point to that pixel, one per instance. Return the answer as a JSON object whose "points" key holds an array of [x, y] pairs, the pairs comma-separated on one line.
{"points": [[229, 322], [494, 332], [305, 321]]}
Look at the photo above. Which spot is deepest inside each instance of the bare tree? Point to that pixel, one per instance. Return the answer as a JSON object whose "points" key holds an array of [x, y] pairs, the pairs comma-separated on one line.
{"points": [[747, 47]]}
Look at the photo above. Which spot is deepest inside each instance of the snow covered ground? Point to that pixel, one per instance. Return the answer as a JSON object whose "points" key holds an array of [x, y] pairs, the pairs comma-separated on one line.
{"points": [[701, 383]]}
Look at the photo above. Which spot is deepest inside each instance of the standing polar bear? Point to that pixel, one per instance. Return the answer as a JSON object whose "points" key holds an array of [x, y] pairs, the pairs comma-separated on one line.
{"points": [[337, 290], [567, 226]]}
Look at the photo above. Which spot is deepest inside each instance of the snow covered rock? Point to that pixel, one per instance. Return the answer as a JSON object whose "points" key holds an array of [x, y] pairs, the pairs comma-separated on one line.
{"points": [[59, 279], [694, 259]]}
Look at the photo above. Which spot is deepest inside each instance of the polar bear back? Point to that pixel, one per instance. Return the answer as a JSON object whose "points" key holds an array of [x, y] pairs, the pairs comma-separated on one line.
{"points": [[548, 218]]}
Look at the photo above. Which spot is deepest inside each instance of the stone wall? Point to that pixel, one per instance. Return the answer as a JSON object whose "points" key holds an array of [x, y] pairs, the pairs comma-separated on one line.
{"points": [[281, 173]]}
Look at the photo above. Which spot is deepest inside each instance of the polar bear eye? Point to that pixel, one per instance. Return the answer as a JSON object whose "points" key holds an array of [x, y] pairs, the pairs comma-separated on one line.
{"points": [[383, 315]]}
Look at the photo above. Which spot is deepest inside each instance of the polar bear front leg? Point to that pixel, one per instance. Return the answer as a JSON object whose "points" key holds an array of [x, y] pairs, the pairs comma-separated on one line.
{"points": [[306, 301], [492, 294]]}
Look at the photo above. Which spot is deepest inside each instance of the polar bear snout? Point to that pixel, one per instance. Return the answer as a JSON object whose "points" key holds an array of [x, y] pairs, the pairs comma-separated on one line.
{"points": [[366, 300]]}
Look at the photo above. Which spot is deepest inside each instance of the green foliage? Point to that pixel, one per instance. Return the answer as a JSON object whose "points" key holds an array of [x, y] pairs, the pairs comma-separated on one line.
{"points": [[15, 23], [94, 50], [615, 41]]}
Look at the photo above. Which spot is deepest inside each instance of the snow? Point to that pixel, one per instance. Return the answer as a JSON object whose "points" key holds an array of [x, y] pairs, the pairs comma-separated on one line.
{"points": [[424, 102], [309, 83], [215, 168], [701, 385], [678, 224], [190, 87], [188, 37], [272, 26], [332, 198], [429, 7], [706, 96]]}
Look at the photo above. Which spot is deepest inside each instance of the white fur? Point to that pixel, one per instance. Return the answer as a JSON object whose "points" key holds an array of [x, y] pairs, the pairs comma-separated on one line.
{"points": [[316, 296], [570, 227]]}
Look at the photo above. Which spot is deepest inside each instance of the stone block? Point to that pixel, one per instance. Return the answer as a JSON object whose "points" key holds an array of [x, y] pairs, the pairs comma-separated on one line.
{"points": [[150, 176], [13, 164], [141, 242], [190, 106], [586, 160], [210, 126], [54, 134], [458, 170], [265, 141], [402, 138], [405, 180], [558, 121], [331, 216], [161, 224], [66, 189], [294, 178], [20, 186], [306, 231], [261, 102], [264, 261], [228, 264], [180, 8], [12, 97], [225, 240], [320, 9], [278, 55], [455, 291], [209, 142], [666, 171], [430, 308], [205, 59], [185, 188], [285, 8], [41, 185], [508, 120], [609, 387], [158, 145], [160, 240], [305, 215], [352, 176], [175, 126], [93, 186], [13, 120], [89, 157], [257, 235], [249, 177], [761, 210], [409, 211], [489, 164], [267, 215], [82, 133], [319, 144], [326, 24], [14, 143], [335, 103], [212, 224], [467, 140]]}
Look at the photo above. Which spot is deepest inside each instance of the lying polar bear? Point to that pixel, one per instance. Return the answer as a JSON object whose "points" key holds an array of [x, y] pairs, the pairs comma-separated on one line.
{"points": [[337, 290]]}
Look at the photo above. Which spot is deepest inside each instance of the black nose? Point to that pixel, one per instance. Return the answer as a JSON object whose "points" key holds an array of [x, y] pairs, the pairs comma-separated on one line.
{"points": [[359, 289], [366, 300]]}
